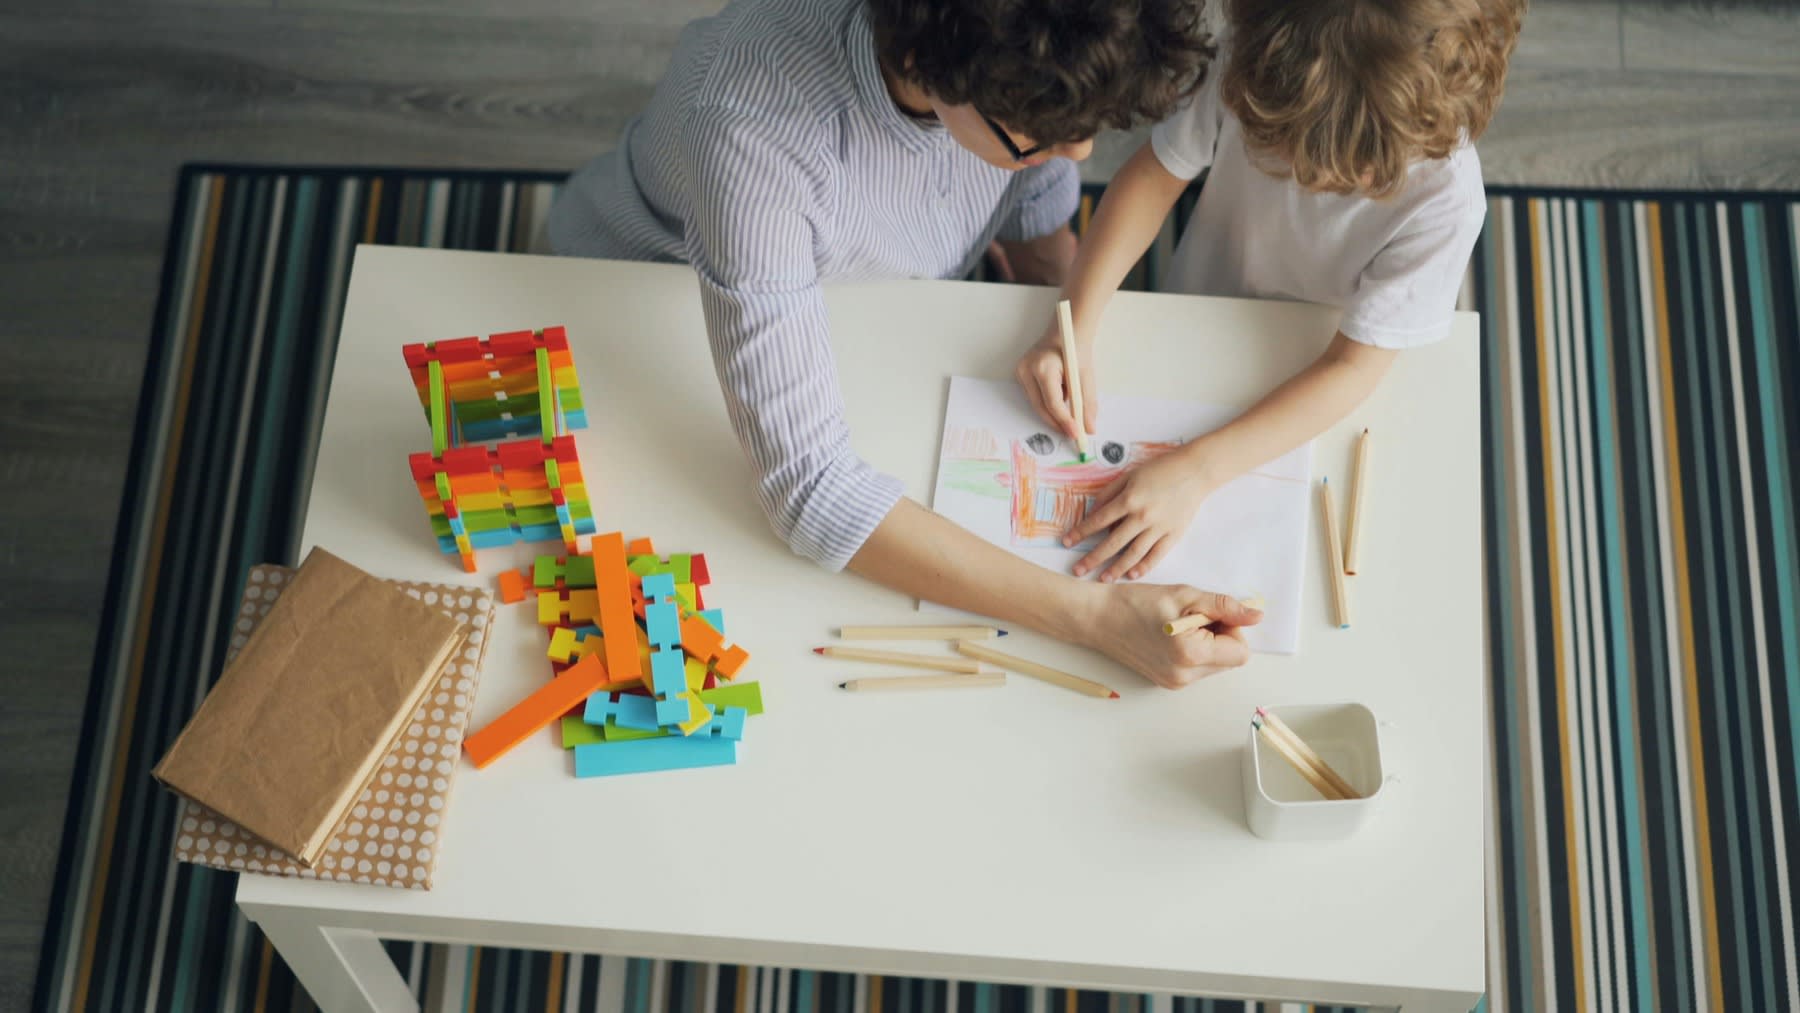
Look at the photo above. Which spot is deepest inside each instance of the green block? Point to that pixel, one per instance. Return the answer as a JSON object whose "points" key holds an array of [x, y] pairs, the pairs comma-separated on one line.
{"points": [[681, 564], [576, 732], [548, 418], [543, 572], [440, 419], [614, 733], [747, 695], [444, 492], [527, 516], [579, 572], [643, 566]]}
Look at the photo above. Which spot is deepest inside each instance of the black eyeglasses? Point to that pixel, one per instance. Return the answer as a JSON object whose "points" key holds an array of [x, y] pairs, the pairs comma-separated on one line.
{"points": [[1007, 141]]}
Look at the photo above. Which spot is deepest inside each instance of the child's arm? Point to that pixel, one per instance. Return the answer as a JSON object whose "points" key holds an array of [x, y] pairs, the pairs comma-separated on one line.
{"points": [[1149, 508], [1136, 204]]}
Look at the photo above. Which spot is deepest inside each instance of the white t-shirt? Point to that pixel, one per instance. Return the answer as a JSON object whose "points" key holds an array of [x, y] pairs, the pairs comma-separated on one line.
{"points": [[1394, 265]]}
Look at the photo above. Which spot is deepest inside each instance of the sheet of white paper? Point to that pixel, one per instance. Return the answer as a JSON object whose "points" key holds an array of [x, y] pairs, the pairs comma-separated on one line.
{"points": [[1003, 475]]}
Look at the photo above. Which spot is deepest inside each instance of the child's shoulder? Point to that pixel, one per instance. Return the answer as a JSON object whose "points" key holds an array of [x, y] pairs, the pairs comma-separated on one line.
{"points": [[1444, 190]]}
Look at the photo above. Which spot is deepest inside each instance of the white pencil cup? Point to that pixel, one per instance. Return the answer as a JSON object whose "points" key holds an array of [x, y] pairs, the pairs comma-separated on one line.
{"points": [[1281, 806]]}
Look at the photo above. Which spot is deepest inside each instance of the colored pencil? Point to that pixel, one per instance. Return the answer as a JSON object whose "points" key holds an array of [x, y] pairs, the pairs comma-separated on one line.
{"points": [[1195, 620], [1072, 369], [1334, 556], [1036, 671], [1307, 753], [1280, 745], [903, 659], [896, 683], [1359, 484], [920, 633]]}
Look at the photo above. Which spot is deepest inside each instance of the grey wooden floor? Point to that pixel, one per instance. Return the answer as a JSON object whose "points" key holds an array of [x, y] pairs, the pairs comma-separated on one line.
{"points": [[102, 100]]}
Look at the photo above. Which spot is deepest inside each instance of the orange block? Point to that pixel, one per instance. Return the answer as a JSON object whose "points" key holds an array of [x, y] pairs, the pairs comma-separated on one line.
{"points": [[640, 547], [612, 582], [512, 587], [549, 703], [703, 643]]}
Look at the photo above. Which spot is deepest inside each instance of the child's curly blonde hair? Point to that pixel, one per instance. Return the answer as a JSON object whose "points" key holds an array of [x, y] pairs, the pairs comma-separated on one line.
{"points": [[1346, 94]]}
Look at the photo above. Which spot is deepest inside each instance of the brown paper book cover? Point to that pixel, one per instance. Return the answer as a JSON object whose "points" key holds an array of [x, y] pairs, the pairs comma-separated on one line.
{"points": [[394, 833], [293, 730]]}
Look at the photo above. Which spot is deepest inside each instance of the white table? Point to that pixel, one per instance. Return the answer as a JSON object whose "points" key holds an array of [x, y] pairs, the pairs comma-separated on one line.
{"points": [[1025, 835]]}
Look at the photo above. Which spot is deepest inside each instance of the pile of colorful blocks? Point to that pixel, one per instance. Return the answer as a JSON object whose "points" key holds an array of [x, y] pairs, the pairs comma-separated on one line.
{"points": [[519, 387], [644, 678]]}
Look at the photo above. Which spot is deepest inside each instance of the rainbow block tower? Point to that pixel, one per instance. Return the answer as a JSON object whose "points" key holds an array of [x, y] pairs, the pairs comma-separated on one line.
{"points": [[519, 387], [643, 680]]}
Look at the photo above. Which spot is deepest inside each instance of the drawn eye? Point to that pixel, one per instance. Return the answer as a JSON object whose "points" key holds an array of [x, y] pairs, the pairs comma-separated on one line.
{"points": [[1112, 452], [1040, 444]]}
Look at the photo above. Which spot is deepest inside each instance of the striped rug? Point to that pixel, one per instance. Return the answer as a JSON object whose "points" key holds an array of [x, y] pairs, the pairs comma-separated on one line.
{"points": [[1642, 398]]}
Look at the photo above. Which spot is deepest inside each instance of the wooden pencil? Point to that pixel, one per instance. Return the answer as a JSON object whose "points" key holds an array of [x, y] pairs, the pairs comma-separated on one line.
{"points": [[1334, 556], [1307, 753], [920, 633], [1280, 745], [1050, 675], [903, 659], [1195, 620], [899, 683], [1359, 484], [1072, 369]]}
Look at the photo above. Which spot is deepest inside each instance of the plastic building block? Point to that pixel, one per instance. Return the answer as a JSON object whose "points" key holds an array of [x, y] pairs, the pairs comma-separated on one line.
{"points": [[658, 587], [668, 673], [698, 574], [704, 643], [569, 643], [727, 724], [617, 624], [572, 606], [696, 675], [714, 618], [627, 711], [747, 695], [574, 571], [640, 547], [550, 701], [577, 732], [650, 755], [662, 622], [512, 587]]}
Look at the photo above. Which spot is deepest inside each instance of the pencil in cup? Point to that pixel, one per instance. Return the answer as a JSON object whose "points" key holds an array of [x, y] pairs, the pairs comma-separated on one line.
{"points": [[1072, 370], [961, 666], [1055, 677], [1306, 752], [1295, 760], [904, 683]]}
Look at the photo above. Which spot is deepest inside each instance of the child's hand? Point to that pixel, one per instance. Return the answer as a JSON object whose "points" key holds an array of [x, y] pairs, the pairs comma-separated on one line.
{"points": [[1128, 628], [1149, 509], [1041, 373]]}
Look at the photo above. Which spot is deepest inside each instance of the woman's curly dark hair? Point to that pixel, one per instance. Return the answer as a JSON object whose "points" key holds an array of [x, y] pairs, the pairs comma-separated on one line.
{"points": [[1056, 71]]}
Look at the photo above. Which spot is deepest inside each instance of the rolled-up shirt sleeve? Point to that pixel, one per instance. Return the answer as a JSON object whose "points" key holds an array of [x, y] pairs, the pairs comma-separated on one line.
{"points": [[750, 236], [1044, 199]]}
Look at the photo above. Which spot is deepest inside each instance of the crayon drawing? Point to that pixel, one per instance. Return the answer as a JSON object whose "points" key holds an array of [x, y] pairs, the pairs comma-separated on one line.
{"points": [[1003, 475]]}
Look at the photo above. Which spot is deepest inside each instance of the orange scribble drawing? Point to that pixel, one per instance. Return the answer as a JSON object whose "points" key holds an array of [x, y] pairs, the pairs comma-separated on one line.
{"points": [[1049, 499]]}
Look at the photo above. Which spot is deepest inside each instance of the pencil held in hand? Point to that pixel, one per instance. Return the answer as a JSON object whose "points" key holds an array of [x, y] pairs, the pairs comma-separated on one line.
{"points": [[1195, 620], [1072, 370]]}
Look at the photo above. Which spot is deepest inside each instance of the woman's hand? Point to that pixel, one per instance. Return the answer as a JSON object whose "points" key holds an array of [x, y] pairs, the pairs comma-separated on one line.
{"points": [[1127, 626]]}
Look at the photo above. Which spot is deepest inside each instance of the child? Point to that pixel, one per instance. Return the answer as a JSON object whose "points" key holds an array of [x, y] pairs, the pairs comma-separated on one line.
{"points": [[1338, 137], [795, 142]]}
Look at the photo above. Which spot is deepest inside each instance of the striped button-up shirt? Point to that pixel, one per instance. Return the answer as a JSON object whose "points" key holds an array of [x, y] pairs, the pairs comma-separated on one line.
{"points": [[773, 159]]}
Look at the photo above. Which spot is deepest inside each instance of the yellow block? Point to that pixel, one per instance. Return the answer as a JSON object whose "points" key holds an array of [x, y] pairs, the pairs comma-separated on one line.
{"points": [[697, 715], [696, 675]]}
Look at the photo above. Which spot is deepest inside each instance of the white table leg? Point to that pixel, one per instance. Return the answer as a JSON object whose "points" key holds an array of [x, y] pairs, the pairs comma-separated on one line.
{"points": [[344, 970]]}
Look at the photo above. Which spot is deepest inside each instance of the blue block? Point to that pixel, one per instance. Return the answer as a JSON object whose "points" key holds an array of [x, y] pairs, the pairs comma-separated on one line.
{"points": [[457, 525], [585, 525], [729, 725], [714, 618], [662, 621], [668, 674], [642, 756], [584, 632], [576, 419], [659, 587], [540, 533], [562, 514], [627, 711], [492, 539], [673, 711], [447, 543]]}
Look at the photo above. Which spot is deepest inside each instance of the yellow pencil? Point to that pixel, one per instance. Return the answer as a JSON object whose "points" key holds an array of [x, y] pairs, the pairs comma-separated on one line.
{"points": [[898, 683], [1036, 671], [1359, 483], [1280, 727], [1072, 368], [920, 633], [903, 659], [1334, 556]]}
